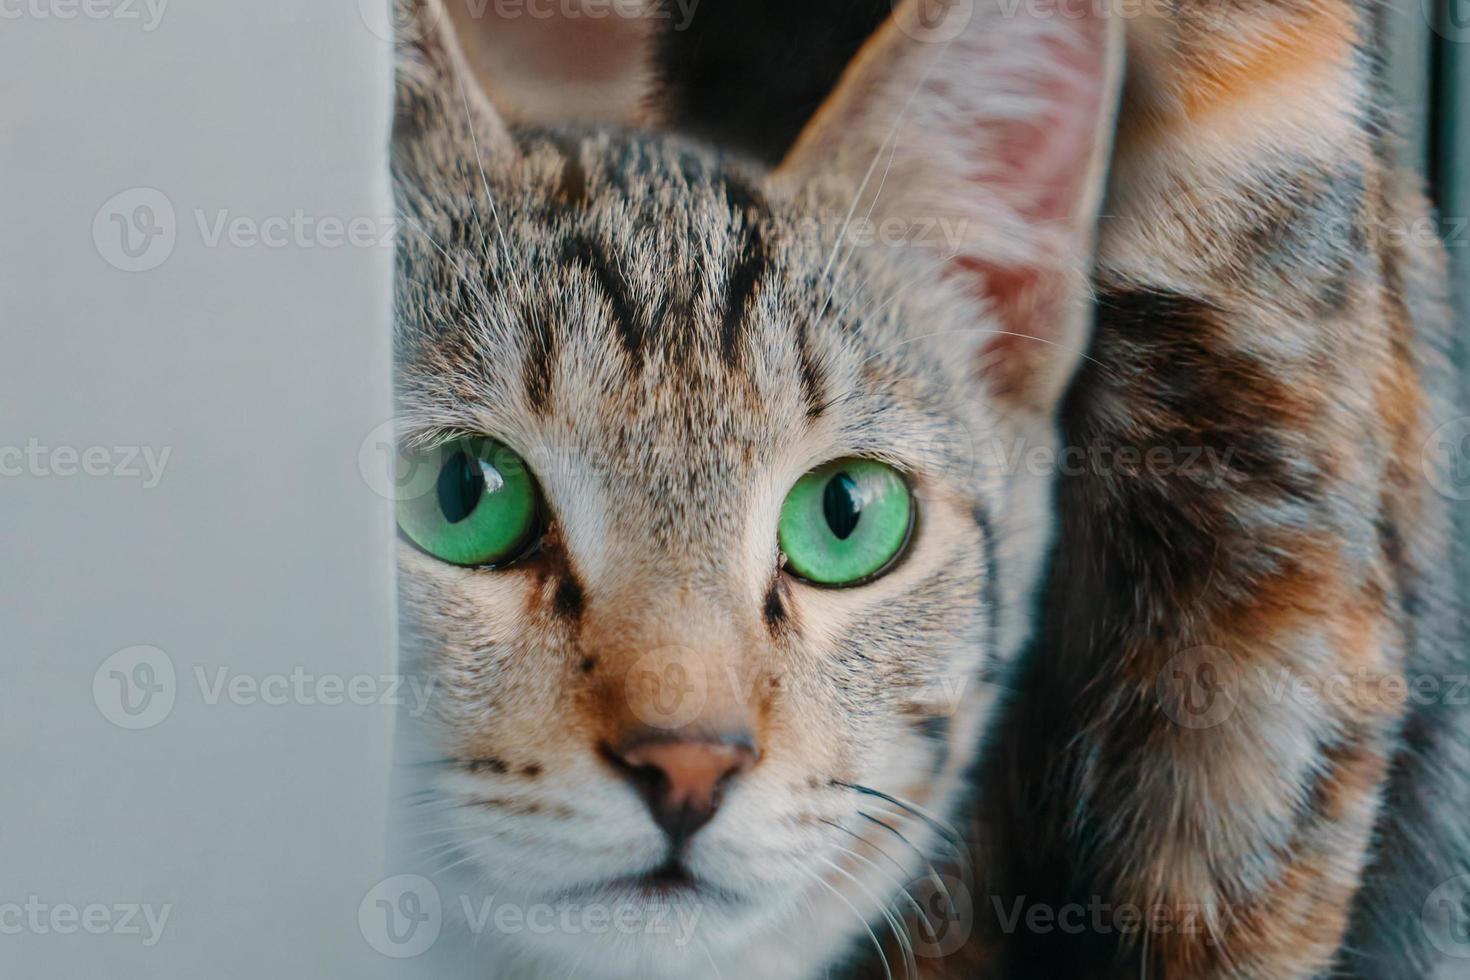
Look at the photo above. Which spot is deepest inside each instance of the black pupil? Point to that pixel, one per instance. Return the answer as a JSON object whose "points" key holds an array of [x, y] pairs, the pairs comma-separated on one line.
{"points": [[460, 487], [841, 505]]}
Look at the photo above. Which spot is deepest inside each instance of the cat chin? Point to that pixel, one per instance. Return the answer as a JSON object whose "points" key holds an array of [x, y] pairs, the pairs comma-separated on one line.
{"points": [[588, 938]]}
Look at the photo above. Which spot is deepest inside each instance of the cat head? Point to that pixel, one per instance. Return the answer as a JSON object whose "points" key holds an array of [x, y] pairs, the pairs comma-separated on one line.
{"points": [[708, 546]]}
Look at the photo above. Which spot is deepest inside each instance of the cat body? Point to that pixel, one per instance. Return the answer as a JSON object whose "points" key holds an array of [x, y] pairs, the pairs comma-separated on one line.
{"points": [[670, 337], [1261, 294]]}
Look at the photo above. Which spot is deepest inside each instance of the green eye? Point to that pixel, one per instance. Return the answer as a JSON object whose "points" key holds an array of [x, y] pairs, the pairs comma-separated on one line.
{"points": [[844, 523], [480, 509]]}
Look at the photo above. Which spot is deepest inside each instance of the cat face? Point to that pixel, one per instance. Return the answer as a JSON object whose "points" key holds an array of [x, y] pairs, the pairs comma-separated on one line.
{"points": [[683, 674]]}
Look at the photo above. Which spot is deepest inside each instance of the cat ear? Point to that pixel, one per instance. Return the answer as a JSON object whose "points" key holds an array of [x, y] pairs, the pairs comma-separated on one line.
{"points": [[985, 115], [548, 62], [440, 112]]}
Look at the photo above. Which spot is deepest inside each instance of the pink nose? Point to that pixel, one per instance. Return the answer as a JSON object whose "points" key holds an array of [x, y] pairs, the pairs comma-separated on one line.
{"points": [[682, 779]]}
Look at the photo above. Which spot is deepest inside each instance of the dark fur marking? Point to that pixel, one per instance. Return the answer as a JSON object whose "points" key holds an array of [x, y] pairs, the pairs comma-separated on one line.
{"points": [[775, 613], [571, 189], [1199, 395], [749, 267], [569, 598], [588, 665], [1202, 394], [990, 591], [531, 771], [490, 764], [536, 369], [813, 383], [625, 315]]}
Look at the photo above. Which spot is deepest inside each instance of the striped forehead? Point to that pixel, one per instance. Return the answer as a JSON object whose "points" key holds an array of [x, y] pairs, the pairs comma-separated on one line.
{"points": [[611, 310], [610, 272], [634, 315]]}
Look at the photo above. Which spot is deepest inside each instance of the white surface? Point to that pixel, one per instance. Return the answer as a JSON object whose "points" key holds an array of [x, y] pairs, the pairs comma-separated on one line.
{"points": [[254, 546]]}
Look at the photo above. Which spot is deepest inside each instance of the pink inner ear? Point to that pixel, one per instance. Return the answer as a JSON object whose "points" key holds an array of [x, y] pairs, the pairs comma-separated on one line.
{"points": [[1041, 164], [1027, 303], [1043, 168]]}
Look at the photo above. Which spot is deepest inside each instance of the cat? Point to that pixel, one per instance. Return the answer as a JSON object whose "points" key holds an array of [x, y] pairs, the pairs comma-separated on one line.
{"points": [[643, 375]]}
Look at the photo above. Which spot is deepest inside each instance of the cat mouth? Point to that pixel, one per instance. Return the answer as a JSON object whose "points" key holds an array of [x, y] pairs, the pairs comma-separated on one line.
{"points": [[671, 881]]}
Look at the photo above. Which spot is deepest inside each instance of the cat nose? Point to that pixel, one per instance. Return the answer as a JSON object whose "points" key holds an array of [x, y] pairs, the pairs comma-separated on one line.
{"points": [[682, 779]]}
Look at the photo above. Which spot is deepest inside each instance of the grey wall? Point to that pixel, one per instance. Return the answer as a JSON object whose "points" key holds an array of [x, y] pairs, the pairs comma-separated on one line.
{"points": [[255, 546]]}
